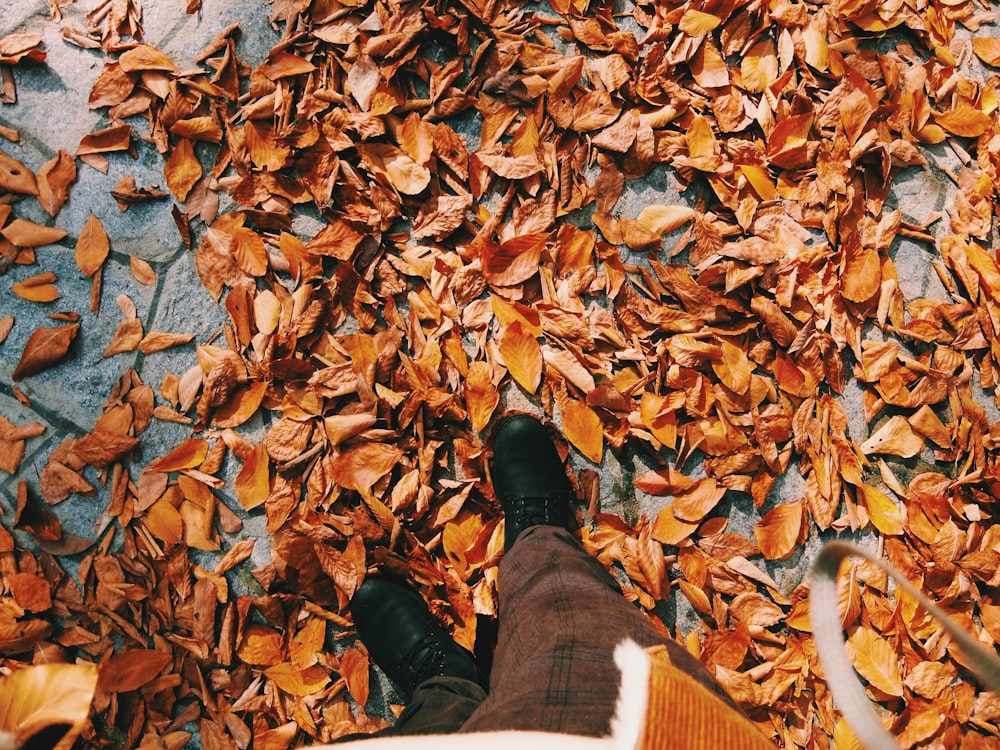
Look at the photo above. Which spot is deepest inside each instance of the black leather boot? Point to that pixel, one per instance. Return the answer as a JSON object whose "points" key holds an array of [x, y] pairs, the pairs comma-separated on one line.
{"points": [[404, 639], [528, 476]]}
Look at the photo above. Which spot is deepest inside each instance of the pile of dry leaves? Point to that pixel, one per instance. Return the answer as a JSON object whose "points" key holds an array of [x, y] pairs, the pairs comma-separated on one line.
{"points": [[466, 159]]}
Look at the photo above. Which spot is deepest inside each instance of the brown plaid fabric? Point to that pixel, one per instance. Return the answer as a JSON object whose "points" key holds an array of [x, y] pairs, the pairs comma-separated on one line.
{"points": [[561, 616]]}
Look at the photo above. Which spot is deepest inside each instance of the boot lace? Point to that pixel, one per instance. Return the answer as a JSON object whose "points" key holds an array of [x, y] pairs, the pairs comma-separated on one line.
{"points": [[532, 511], [425, 660]]}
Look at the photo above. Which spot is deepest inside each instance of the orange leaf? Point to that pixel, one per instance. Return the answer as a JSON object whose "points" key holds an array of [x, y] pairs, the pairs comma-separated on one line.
{"points": [[102, 448], [92, 246], [187, 455], [354, 669], [54, 179], [31, 592], [583, 429], [522, 355], [131, 669], [44, 348], [895, 437], [882, 511], [513, 262], [965, 121], [182, 169], [663, 482], [987, 49], [253, 484], [669, 529], [163, 520], [126, 338], [875, 660], [157, 341], [40, 696], [115, 138], [261, 645], [142, 271], [779, 530], [481, 396], [145, 57], [695, 503], [249, 251], [241, 406], [37, 288], [307, 643], [295, 681], [361, 466], [24, 233]]}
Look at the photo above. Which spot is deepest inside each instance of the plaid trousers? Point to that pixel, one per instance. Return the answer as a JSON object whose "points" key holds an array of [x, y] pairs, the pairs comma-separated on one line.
{"points": [[560, 617]]}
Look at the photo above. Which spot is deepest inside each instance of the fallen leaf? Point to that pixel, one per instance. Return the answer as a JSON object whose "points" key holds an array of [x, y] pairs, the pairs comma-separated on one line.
{"points": [[44, 349], [583, 429], [24, 233], [131, 669], [92, 246]]}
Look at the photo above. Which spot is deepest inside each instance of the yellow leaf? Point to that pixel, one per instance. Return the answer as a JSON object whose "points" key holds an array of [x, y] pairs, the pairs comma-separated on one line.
{"points": [[965, 121], [882, 511], [779, 530], [522, 355], [481, 396], [44, 695], [295, 681], [583, 429], [875, 660]]}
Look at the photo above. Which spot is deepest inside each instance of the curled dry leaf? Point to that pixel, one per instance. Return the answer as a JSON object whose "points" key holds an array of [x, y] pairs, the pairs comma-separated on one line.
{"points": [[37, 288], [54, 181]]}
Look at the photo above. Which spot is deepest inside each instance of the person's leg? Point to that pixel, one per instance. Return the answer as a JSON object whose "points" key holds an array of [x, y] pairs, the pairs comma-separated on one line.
{"points": [[561, 615], [438, 678], [440, 705]]}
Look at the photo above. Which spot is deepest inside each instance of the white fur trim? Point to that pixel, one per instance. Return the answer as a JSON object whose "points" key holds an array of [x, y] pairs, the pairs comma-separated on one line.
{"points": [[633, 695]]}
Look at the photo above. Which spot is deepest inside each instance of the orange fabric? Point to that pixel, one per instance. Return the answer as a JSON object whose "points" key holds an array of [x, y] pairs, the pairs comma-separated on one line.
{"points": [[683, 715]]}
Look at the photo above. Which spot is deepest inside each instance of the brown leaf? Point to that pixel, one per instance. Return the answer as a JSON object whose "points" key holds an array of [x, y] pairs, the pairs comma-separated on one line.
{"points": [[54, 180], [126, 338], [45, 348], [6, 326], [131, 669], [157, 341], [101, 448]]}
